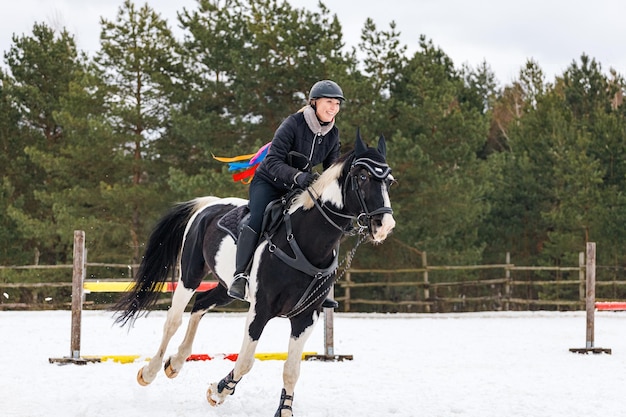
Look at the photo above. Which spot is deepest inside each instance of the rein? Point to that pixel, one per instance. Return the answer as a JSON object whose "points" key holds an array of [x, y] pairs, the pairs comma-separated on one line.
{"points": [[321, 208]]}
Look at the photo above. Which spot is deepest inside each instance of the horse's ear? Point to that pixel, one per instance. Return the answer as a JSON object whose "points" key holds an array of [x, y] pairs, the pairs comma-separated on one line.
{"points": [[359, 147], [382, 146]]}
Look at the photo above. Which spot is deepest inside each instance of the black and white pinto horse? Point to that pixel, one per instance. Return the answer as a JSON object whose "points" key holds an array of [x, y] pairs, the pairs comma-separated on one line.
{"points": [[292, 272]]}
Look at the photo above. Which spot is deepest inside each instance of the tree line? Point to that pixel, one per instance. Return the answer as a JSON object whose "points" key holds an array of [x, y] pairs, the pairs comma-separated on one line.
{"points": [[106, 143]]}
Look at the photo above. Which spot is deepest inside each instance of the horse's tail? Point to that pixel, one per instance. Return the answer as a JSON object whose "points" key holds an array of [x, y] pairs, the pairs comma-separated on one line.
{"points": [[159, 261]]}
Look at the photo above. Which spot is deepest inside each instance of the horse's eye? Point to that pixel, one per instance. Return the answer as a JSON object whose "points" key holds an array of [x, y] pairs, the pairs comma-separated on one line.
{"points": [[363, 177]]}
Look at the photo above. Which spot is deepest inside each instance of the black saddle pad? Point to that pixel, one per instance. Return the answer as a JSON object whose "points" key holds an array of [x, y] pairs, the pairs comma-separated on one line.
{"points": [[233, 221]]}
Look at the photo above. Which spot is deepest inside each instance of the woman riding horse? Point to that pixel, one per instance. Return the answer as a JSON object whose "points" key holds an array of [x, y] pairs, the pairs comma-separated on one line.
{"points": [[310, 132], [293, 271]]}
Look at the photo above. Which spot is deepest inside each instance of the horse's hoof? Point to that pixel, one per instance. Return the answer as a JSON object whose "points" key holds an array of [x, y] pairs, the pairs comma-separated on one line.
{"points": [[212, 396], [169, 371], [140, 379]]}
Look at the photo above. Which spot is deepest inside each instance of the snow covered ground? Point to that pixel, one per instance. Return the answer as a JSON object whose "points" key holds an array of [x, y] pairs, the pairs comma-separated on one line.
{"points": [[472, 364]]}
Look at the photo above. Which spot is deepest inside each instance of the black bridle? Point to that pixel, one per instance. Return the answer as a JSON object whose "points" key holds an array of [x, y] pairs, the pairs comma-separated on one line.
{"points": [[362, 222]]}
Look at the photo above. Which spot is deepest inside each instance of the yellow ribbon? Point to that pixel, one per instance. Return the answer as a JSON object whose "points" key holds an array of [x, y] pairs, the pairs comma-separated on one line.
{"points": [[234, 158]]}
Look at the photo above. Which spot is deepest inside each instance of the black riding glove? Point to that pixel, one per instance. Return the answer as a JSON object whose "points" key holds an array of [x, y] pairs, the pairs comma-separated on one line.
{"points": [[304, 179]]}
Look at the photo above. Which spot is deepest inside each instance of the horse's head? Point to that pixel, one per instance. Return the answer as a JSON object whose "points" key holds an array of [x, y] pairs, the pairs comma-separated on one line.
{"points": [[366, 188], [358, 186]]}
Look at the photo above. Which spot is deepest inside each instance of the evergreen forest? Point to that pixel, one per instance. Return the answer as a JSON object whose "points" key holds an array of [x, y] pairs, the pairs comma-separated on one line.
{"points": [[107, 142]]}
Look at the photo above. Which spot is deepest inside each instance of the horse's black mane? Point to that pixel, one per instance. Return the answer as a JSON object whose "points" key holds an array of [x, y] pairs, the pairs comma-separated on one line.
{"points": [[345, 157]]}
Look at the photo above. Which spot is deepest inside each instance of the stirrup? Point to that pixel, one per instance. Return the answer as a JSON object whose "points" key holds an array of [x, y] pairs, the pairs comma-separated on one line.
{"points": [[330, 303], [237, 288]]}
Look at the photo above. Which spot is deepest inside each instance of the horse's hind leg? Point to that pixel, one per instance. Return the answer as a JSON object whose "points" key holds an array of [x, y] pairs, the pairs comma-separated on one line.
{"points": [[204, 302], [175, 363], [301, 329], [193, 269], [173, 321]]}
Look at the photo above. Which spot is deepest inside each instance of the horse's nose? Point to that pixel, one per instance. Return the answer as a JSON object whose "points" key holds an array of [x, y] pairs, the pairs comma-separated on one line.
{"points": [[384, 226]]}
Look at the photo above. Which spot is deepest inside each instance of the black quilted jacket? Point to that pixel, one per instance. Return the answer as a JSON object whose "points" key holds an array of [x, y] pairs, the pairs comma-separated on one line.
{"points": [[295, 135]]}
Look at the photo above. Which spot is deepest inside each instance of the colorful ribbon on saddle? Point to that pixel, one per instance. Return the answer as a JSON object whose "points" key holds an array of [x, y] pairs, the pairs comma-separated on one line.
{"points": [[245, 164]]}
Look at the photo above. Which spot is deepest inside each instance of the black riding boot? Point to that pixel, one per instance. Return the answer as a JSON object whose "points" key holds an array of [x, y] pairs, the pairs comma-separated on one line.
{"points": [[245, 249]]}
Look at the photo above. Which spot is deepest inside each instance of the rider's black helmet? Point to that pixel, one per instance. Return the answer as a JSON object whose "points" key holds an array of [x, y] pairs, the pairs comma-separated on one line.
{"points": [[326, 88]]}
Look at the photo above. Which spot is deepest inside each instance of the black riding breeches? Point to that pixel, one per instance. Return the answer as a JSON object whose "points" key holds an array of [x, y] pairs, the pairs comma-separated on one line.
{"points": [[261, 194]]}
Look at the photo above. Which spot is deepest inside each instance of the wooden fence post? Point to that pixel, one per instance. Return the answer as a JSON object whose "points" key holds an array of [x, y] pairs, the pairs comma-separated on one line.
{"points": [[78, 278], [329, 337], [581, 275], [507, 286], [426, 286], [77, 291], [347, 292], [590, 298], [590, 303], [329, 334]]}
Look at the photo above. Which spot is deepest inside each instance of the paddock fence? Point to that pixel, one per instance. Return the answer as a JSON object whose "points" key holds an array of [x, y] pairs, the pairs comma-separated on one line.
{"points": [[465, 288], [428, 289]]}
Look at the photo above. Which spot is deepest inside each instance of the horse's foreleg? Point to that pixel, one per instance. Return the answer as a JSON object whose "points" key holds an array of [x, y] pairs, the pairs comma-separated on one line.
{"points": [[301, 330], [175, 363], [218, 391], [173, 321]]}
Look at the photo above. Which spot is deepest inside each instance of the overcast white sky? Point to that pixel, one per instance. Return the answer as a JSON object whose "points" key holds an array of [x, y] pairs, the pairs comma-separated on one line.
{"points": [[503, 33]]}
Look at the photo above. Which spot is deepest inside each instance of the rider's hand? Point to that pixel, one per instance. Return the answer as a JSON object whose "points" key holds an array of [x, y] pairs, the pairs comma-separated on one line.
{"points": [[304, 179]]}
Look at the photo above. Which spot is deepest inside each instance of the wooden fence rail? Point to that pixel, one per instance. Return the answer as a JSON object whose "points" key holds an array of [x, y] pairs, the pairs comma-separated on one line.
{"points": [[428, 295], [501, 296]]}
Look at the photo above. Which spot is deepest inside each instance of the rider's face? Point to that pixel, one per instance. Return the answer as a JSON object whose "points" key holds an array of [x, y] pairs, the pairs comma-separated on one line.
{"points": [[327, 108]]}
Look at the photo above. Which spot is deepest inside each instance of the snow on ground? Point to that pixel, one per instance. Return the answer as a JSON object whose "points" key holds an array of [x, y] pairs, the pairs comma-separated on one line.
{"points": [[439, 365]]}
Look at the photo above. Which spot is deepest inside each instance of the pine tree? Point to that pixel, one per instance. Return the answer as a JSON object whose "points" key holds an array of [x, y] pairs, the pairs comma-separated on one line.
{"points": [[42, 67], [13, 176], [442, 183], [138, 64], [371, 106], [249, 64]]}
